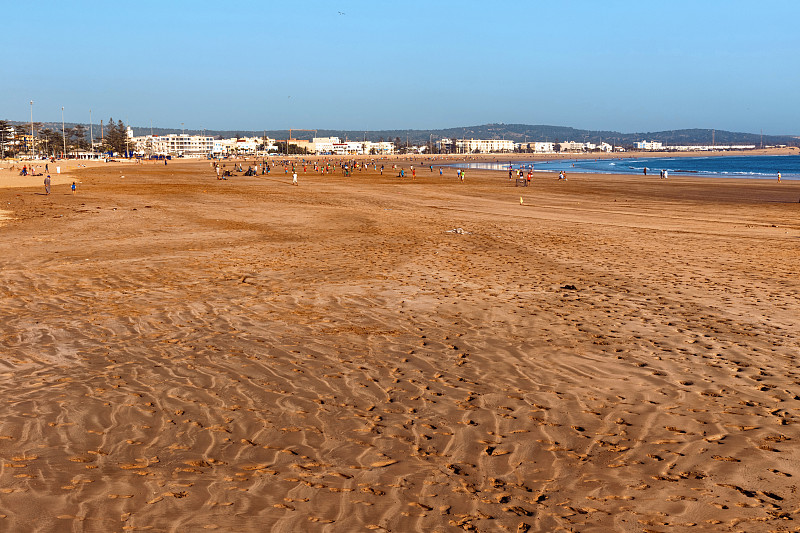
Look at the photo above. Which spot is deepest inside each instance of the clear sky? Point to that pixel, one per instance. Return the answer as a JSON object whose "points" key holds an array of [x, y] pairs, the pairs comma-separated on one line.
{"points": [[416, 64]]}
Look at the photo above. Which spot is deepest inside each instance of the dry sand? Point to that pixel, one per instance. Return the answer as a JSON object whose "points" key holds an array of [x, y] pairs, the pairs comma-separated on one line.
{"points": [[618, 353], [70, 170]]}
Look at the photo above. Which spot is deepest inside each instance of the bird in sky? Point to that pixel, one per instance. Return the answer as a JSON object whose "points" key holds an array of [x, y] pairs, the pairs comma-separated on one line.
{"points": [[341, 13]]}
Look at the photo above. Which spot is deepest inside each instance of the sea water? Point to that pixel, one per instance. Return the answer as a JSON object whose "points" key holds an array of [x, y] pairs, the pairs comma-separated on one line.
{"points": [[744, 166]]}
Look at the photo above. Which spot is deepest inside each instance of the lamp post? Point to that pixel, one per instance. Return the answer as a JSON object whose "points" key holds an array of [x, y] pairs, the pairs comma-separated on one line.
{"points": [[63, 134], [91, 135], [33, 146]]}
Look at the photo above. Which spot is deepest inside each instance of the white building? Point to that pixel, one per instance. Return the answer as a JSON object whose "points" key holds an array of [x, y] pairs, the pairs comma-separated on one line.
{"points": [[444, 146], [334, 145], [240, 146], [174, 144], [324, 145], [541, 146], [648, 145], [537, 146], [708, 148], [483, 146], [571, 146], [379, 148], [349, 148]]}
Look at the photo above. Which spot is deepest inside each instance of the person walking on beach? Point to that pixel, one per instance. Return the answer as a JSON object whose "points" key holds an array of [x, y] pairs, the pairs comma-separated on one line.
{"points": [[645, 171], [666, 173], [779, 177], [73, 188], [47, 184], [294, 178]]}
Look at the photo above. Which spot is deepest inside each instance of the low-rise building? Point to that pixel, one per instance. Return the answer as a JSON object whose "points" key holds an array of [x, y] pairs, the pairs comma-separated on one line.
{"points": [[708, 148], [237, 146], [483, 146], [324, 145], [535, 146], [542, 146], [173, 144], [378, 148], [445, 146], [349, 148], [571, 146], [648, 145]]}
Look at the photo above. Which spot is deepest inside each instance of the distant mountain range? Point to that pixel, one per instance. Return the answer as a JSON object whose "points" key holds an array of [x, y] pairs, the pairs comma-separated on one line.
{"points": [[515, 132]]}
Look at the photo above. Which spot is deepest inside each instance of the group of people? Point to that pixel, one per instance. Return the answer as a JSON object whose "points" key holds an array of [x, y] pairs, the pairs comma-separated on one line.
{"points": [[72, 187], [31, 172], [224, 174]]}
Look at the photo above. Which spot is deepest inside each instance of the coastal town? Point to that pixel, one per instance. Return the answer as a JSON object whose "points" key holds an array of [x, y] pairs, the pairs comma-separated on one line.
{"points": [[15, 141]]}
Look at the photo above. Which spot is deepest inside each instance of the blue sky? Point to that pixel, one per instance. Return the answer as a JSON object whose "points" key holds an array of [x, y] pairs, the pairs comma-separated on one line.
{"points": [[613, 65]]}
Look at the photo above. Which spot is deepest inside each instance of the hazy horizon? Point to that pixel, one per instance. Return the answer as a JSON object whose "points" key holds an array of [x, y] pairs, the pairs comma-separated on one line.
{"points": [[391, 130]]}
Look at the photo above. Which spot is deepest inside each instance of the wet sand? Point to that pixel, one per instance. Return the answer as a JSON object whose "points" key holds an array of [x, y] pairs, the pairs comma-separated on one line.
{"points": [[609, 353]]}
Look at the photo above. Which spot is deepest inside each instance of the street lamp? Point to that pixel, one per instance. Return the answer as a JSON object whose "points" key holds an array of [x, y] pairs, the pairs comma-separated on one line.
{"points": [[33, 146], [63, 134], [91, 135]]}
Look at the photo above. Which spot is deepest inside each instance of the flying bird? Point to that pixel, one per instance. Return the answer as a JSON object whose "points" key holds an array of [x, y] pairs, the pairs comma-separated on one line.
{"points": [[341, 13]]}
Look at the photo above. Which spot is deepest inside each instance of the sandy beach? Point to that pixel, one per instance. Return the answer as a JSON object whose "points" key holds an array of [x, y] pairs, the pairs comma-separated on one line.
{"points": [[369, 353]]}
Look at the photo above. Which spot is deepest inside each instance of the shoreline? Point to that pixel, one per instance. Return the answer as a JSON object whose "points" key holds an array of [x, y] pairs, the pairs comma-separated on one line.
{"points": [[73, 169], [578, 166]]}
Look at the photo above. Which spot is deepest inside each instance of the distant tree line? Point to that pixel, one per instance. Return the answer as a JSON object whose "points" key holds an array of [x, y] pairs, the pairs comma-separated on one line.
{"points": [[52, 142], [115, 137]]}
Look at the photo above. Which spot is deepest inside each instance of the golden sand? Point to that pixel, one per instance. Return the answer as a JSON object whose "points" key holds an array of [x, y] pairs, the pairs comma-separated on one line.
{"points": [[611, 353]]}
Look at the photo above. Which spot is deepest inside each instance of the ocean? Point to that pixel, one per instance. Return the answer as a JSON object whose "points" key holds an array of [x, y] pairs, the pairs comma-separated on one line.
{"points": [[747, 166]]}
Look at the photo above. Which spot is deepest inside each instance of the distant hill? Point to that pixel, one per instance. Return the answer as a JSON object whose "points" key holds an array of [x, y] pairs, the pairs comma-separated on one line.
{"points": [[520, 133], [515, 132]]}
